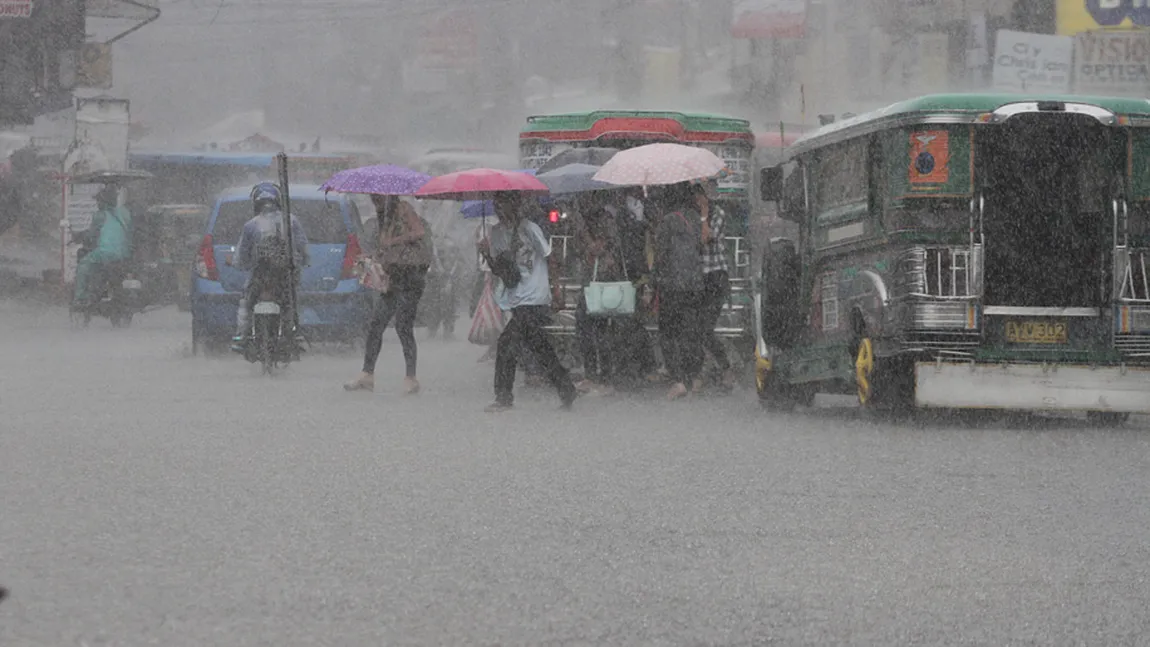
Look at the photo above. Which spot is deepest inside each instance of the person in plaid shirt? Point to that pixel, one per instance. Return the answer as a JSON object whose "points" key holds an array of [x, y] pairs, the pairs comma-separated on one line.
{"points": [[716, 275]]}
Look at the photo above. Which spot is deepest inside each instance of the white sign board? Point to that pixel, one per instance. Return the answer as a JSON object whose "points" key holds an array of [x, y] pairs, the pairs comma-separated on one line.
{"points": [[15, 8], [102, 124], [1032, 62], [1112, 63]]}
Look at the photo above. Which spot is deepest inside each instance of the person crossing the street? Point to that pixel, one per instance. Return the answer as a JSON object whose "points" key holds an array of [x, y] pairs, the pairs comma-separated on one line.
{"points": [[518, 254]]}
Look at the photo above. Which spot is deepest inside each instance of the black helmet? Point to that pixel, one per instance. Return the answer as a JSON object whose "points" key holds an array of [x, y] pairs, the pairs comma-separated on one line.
{"points": [[266, 195]]}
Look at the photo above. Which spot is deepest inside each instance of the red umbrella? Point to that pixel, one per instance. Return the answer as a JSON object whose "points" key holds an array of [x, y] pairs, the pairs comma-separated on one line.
{"points": [[480, 184]]}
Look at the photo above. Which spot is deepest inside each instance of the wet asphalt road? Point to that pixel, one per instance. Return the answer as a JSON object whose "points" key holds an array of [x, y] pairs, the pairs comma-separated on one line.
{"points": [[151, 498]]}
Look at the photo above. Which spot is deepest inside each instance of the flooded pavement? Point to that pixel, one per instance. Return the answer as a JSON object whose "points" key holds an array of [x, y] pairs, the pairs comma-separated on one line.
{"points": [[152, 497]]}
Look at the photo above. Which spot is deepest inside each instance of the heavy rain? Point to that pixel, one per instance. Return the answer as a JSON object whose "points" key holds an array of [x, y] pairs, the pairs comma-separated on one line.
{"points": [[724, 322]]}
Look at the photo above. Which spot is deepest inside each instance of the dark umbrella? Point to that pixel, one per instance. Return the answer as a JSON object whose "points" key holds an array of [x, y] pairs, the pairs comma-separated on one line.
{"points": [[573, 178], [592, 156]]}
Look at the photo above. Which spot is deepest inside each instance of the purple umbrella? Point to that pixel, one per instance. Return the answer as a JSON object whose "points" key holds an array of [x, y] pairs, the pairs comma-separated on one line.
{"points": [[382, 179]]}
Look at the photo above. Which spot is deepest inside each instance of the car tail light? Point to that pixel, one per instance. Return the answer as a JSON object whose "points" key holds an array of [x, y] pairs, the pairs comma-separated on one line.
{"points": [[350, 254], [206, 260]]}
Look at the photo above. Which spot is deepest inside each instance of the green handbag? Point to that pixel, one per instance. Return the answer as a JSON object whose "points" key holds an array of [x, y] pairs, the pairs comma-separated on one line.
{"points": [[613, 299]]}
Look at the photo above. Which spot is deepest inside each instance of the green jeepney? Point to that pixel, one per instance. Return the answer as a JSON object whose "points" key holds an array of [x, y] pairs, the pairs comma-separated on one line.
{"points": [[732, 140], [964, 251]]}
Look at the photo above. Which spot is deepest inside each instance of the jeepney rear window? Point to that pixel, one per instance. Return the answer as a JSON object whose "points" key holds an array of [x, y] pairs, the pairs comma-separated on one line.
{"points": [[841, 180]]}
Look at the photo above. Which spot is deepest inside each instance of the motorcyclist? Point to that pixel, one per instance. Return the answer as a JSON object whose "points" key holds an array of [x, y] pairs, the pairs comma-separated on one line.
{"points": [[111, 232], [255, 253]]}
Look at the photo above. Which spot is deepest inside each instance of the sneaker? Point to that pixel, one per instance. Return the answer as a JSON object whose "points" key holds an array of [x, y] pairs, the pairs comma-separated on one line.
{"points": [[410, 386], [678, 391], [365, 382], [498, 407], [567, 399], [697, 385]]}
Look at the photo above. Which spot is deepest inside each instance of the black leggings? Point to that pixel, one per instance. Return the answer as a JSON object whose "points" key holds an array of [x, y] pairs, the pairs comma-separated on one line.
{"points": [[401, 302], [716, 288], [681, 329]]}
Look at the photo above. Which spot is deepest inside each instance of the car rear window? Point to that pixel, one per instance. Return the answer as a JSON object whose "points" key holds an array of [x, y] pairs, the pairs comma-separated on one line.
{"points": [[321, 220]]}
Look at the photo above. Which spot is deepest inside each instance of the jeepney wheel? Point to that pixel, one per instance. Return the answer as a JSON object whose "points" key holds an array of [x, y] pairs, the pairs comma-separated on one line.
{"points": [[773, 394], [864, 372], [882, 383], [1110, 419]]}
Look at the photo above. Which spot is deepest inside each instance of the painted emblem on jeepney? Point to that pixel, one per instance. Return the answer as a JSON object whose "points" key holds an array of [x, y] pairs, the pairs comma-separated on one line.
{"points": [[929, 157]]}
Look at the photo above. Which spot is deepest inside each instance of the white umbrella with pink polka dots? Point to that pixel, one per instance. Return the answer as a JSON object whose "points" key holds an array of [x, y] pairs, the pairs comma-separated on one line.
{"points": [[660, 164]]}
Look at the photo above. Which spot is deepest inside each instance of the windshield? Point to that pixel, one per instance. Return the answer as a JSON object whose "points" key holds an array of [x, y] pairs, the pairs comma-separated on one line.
{"points": [[321, 220]]}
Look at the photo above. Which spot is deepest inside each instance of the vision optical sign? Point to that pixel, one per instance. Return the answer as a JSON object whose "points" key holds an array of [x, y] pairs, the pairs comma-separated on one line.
{"points": [[1077, 16]]}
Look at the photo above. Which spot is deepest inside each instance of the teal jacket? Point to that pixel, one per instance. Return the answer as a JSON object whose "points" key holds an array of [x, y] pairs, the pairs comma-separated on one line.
{"points": [[115, 232]]}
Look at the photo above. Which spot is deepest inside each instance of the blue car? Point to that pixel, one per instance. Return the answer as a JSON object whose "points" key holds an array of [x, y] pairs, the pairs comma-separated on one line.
{"points": [[332, 303]]}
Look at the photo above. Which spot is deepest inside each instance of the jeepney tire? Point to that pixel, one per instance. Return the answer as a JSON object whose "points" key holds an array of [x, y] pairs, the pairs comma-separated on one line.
{"points": [[1108, 419], [882, 383], [775, 397]]}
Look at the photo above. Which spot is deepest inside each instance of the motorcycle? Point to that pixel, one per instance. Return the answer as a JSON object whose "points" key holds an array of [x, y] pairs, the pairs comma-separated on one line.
{"points": [[119, 295], [271, 340]]}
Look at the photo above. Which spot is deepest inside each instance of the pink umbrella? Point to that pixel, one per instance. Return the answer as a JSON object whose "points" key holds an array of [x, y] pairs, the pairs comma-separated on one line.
{"points": [[660, 164], [480, 184]]}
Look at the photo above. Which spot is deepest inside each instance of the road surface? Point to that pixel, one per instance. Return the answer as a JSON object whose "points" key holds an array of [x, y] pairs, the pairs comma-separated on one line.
{"points": [[153, 498]]}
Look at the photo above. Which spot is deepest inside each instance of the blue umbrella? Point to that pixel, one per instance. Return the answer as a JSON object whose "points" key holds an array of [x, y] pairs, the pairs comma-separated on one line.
{"points": [[478, 209], [593, 156], [483, 208], [573, 178]]}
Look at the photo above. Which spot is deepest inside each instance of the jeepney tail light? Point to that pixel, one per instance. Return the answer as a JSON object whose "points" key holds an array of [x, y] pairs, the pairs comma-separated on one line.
{"points": [[553, 216], [352, 252], [206, 260], [1133, 320]]}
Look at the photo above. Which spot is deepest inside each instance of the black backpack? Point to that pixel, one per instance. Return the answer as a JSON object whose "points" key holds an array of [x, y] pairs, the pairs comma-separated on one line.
{"points": [[272, 252]]}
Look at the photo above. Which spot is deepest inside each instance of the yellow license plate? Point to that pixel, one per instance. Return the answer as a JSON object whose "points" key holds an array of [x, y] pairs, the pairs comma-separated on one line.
{"points": [[1036, 332]]}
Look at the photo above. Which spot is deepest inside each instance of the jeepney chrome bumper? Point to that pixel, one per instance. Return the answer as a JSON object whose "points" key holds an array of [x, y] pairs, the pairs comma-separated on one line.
{"points": [[1036, 387]]}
